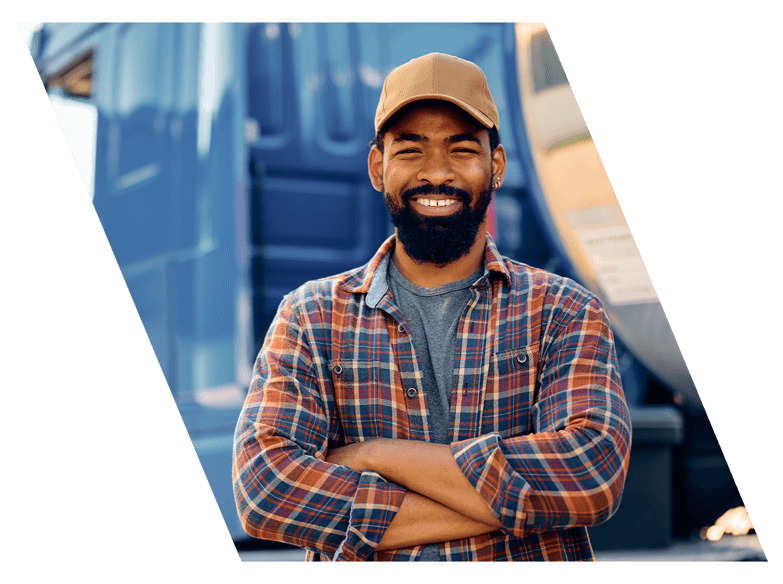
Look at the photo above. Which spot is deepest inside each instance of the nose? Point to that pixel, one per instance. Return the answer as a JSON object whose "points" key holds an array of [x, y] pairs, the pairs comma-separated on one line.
{"points": [[436, 169]]}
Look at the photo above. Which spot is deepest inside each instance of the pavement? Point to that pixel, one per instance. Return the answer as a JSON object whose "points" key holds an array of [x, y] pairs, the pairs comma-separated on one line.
{"points": [[729, 548]]}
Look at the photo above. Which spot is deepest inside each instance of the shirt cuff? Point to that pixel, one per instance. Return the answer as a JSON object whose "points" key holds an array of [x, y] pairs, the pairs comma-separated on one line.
{"points": [[375, 504], [485, 466]]}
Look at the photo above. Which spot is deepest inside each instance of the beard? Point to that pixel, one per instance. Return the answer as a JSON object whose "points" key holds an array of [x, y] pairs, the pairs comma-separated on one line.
{"points": [[438, 240]]}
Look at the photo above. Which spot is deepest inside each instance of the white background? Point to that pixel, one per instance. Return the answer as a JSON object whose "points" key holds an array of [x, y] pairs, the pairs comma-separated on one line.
{"points": [[79, 122]]}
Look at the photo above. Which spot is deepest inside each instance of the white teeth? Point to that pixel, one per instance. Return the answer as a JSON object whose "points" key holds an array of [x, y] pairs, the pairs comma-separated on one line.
{"points": [[435, 202]]}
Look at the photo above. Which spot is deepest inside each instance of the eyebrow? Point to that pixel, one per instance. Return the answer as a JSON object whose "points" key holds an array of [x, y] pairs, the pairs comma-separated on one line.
{"points": [[467, 136]]}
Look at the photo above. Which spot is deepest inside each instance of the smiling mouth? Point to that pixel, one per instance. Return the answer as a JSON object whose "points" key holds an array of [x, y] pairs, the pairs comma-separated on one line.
{"points": [[436, 207], [435, 202]]}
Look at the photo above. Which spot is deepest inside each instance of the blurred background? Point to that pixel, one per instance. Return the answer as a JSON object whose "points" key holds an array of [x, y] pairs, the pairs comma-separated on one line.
{"points": [[227, 164]]}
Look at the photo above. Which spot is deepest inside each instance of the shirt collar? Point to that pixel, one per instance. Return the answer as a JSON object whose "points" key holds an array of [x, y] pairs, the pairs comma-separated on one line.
{"points": [[371, 279]]}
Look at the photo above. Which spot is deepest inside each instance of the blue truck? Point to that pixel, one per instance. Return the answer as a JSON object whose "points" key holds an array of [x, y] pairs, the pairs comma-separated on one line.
{"points": [[230, 166]]}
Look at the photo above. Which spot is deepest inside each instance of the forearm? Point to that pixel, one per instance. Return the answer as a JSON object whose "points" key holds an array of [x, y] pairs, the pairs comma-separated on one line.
{"points": [[430, 470], [421, 520], [426, 468]]}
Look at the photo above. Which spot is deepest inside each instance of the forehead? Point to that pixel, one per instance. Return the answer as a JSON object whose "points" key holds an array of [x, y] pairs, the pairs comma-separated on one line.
{"points": [[431, 117]]}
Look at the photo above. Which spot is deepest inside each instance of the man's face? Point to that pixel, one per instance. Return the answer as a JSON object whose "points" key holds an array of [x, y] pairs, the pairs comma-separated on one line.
{"points": [[436, 175]]}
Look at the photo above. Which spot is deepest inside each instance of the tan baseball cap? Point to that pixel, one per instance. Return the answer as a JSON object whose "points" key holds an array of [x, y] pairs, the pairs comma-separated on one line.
{"points": [[438, 76]]}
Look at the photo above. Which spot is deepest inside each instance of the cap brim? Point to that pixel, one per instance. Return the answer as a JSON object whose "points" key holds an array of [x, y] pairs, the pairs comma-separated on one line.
{"points": [[483, 119]]}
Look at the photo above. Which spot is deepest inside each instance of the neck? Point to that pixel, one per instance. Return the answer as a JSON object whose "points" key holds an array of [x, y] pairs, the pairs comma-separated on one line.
{"points": [[428, 275]]}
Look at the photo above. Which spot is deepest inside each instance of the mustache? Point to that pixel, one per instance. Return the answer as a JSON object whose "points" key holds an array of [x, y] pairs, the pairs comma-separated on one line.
{"points": [[445, 190]]}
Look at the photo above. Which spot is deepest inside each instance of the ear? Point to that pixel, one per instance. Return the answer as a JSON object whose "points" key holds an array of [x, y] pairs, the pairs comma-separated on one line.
{"points": [[499, 164], [375, 168]]}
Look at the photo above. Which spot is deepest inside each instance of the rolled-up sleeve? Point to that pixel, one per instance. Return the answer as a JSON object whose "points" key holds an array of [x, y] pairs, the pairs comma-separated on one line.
{"points": [[374, 506], [570, 470], [284, 489]]}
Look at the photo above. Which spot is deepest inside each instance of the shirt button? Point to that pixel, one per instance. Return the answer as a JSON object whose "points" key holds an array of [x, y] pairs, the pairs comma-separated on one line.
{"points": [[337, 370], [401, 328], [522, 357], [411, 392]]}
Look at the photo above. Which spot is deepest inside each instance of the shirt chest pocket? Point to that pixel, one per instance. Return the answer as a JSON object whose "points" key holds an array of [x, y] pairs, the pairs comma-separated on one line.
{"points": [[369, 400], [510, 391]]}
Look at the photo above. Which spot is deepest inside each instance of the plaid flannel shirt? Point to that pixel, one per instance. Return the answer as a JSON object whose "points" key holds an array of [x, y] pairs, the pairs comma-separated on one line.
{"points": [[539, 422]]}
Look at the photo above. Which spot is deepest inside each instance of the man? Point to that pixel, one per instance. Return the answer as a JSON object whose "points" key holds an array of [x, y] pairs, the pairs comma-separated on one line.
{"points": [[441, 402]]}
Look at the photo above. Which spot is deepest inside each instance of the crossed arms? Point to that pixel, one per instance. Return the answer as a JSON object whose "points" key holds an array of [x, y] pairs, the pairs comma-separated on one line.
{"points": [[292, 485], [440, 504]]}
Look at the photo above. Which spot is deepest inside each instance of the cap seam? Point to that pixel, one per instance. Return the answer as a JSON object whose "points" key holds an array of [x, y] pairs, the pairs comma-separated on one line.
{"points": [[432, 74]]}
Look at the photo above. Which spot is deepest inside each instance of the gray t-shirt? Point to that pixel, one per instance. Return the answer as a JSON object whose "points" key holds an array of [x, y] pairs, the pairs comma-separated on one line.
{"points": [[433, 315]]}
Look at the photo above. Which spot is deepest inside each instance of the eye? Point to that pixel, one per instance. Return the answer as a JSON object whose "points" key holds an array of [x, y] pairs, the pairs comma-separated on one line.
{"points": [[407, 151]]}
